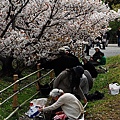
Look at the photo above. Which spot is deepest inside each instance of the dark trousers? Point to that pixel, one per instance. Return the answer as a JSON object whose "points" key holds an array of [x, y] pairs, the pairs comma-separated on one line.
{"points": [[103, 45], [118, 41], [87, 50]]}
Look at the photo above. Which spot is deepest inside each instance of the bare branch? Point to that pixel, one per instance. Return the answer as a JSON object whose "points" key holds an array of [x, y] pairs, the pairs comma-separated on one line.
{"points": [[19, 11]]}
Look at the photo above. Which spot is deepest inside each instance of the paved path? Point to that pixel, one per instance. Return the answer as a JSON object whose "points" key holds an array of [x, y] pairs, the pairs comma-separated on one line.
{"points": [[111, 50]]}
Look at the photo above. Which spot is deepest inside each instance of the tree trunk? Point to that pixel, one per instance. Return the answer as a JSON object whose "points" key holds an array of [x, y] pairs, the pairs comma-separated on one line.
{"points": [[7, 68]]}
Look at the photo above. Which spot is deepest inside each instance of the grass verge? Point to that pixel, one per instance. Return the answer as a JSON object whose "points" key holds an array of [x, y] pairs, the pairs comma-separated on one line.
{"points": [[108, 107]]}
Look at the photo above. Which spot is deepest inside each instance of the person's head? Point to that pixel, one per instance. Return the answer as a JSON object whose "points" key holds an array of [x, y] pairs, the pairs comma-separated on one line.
{"points": [[79, 70], [97, 49], [56, 93], [67, 49], [101, 54], [64, 50], [59, 53], [61, 50]]}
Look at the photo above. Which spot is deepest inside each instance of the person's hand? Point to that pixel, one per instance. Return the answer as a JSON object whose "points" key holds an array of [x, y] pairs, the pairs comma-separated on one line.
{"points": [[98, 60], [85, 100], [40, 109], [91, 58]]}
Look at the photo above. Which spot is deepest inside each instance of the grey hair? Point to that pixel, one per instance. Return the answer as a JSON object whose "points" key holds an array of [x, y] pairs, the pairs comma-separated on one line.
{"points": [[56, 92]]}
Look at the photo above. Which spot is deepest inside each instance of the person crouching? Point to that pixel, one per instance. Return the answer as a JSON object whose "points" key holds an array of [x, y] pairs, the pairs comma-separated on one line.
{"points": [[69, 104]]}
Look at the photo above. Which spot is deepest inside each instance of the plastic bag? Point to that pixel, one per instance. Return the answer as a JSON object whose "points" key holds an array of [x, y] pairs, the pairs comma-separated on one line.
{"points": [[38, 102], [34, 105], [32, 112], [114, 88]]}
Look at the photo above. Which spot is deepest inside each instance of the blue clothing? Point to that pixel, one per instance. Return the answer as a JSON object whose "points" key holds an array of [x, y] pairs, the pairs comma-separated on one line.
{"points": [[118, 35], [119, 41]]}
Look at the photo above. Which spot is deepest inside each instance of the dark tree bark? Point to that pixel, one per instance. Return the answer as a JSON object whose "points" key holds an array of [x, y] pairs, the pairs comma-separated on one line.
{"points": [[7, 68], [11, 66]]}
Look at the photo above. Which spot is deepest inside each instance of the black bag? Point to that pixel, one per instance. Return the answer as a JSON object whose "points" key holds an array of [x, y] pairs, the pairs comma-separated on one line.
{"points": [[45, 89], [95, 96]]}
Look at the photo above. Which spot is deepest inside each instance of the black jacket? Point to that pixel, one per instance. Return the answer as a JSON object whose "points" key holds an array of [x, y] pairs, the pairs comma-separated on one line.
{"points": [[118, 33], [91, 68], [96, 55], [61, 63]]}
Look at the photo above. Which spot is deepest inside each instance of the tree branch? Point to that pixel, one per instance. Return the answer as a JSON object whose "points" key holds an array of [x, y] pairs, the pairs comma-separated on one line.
{"points": [[19, 11]]}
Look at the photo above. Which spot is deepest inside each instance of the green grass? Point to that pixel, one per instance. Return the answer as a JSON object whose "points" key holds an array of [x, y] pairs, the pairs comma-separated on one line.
{"points": [[6, 108], [107, 108]]}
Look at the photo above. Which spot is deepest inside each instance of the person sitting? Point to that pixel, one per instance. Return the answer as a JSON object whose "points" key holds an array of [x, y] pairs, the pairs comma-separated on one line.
{"points": [[102, 60], [64, 59], [87, 65], [96, 56], [89, 80], [69, 104], [75, 80]]}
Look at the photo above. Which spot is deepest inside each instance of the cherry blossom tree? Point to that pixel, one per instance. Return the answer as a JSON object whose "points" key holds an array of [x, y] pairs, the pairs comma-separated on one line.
{"points": [[31, 29]]}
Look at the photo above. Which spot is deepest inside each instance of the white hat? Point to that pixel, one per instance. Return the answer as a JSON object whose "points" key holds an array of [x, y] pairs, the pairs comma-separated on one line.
{"points": [[67, 48], [61, 49], [64, 49], [96, 48], [56, 92]]}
